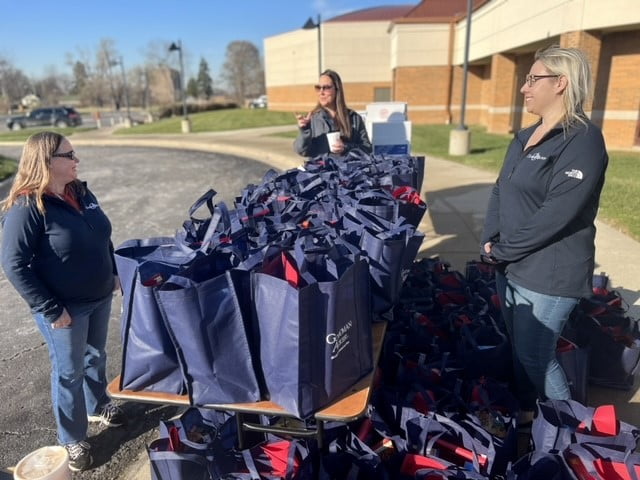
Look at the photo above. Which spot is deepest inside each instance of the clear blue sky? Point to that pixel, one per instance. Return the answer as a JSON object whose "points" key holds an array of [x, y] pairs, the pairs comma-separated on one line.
{"points": [[37, 35]]}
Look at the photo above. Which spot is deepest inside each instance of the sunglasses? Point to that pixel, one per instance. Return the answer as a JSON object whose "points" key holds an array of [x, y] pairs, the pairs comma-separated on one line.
{"points": [[323, 87], [71, 155], [532, 79]]}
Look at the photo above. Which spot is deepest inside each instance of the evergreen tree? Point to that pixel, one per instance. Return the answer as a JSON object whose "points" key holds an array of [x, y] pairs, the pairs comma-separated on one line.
{"points": [[204, 81], [80, 77], [192, 88]]}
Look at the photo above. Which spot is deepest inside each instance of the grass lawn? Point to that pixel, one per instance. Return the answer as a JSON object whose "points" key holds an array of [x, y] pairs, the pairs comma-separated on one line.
{"points": [[215, 121], [8, 166], [22, 135]]}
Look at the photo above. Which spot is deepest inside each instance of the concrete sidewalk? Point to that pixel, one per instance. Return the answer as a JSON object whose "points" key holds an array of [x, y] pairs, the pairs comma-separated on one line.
{"points": [[457, 196]]}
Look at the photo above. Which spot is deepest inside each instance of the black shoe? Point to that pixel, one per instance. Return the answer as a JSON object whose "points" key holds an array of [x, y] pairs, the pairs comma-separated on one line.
{"points": [[110, 415], [79, 456]]}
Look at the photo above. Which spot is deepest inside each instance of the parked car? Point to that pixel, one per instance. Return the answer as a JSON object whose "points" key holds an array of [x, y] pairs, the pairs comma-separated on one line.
{"points": [[260, 102], [53, 116]]}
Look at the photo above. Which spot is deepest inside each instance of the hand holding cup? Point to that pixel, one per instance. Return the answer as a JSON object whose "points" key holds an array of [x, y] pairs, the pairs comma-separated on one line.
{"points": [[335, 142]]}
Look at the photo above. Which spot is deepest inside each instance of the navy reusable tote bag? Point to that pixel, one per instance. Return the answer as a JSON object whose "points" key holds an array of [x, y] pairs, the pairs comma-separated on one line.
{"points": [[315, 339], [149, 358], [206, 308]]}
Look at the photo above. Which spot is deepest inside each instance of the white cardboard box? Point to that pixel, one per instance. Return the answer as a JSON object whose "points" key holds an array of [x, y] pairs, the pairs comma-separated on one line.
{"points": [[385, 133], [390, 138], [387, 112]]}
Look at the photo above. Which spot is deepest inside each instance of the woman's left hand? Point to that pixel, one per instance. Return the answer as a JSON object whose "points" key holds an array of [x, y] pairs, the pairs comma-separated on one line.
{"points": [[116, 284], [338, 146]]}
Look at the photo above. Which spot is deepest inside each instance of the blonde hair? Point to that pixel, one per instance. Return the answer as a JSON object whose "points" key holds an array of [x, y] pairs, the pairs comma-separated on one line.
{"points": [[572, 64], [33, 174]]}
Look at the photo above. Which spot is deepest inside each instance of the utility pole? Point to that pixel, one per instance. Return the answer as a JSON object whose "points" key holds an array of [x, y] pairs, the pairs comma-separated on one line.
{"points": [[460, 137]]}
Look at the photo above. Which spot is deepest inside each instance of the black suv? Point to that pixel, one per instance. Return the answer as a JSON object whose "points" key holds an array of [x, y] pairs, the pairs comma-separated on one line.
{"points": [[53, 116]]}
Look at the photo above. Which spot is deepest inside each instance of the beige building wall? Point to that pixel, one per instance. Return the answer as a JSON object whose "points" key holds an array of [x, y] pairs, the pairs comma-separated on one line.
{"points": [[420, 44], [420, 61], [358, 51]]}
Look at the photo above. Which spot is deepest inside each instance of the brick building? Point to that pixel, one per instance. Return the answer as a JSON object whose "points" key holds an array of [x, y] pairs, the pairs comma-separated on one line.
{"points": [[415, 53]]}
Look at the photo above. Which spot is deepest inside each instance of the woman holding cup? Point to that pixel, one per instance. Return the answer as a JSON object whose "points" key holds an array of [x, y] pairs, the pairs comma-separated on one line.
{"points": [[330, 126]]}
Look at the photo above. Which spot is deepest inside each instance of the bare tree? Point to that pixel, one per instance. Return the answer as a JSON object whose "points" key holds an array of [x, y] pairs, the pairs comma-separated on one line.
{"points": [[243, 71], [138, 84], [106, 58], [91, 78], [156, 53], [14, 84]]}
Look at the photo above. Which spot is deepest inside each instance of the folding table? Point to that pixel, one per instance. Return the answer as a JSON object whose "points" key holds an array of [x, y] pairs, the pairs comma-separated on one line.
{"points": [[348, 407]]}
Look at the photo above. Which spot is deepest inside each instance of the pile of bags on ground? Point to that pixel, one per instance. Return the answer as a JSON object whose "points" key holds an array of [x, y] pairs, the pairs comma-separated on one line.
{"points": [[441, 407], [274, 298]]}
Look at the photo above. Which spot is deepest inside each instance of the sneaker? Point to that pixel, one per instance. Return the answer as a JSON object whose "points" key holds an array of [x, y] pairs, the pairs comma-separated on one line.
{"points": [[79, 456], [109, 415]]}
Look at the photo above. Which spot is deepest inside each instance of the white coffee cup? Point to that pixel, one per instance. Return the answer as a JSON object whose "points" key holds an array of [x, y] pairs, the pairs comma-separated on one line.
{"points": [[46, 463], [332, 139]]}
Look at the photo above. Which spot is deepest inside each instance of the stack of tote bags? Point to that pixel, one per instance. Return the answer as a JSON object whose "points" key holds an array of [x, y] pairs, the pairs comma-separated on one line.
{"points": [[274, 298]]}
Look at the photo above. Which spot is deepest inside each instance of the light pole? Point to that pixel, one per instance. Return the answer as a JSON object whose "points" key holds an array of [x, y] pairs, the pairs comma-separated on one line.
{"points": [[460, 137], [310, 24], [186, 123]]}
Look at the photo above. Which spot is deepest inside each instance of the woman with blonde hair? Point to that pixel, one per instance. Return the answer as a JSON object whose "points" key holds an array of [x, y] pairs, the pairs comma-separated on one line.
{"points": [[330, 115], [57, 253], [539, 227]]}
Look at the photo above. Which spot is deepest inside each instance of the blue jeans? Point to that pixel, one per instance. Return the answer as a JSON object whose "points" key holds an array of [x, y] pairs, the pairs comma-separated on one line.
{"points": [[534, 322], [78, 366]]}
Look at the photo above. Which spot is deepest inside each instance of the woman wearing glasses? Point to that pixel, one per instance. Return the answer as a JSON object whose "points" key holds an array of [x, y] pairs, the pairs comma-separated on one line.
{"points": [[57, 253], [330, 115], [539, 227]]}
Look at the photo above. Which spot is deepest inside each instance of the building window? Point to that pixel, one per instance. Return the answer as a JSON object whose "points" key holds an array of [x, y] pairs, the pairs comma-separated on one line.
{"points": [[381, 94]]}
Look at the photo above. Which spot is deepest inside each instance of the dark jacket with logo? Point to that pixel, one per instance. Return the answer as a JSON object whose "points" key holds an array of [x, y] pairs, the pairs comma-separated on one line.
{"points": [[542, 209], [312, 140], [64, 256]]}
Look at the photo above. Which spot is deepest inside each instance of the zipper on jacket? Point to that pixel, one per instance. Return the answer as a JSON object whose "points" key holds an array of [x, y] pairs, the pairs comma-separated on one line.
{"points": [[521, 157]]}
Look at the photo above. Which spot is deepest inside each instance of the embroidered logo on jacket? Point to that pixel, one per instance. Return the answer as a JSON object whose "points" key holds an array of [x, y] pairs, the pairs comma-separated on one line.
{"points": [[92, 206], [339, 340], [574, 174], [535, 156]]}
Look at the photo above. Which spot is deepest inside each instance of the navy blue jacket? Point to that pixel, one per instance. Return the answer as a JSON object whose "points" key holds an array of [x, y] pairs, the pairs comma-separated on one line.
{"points": [[542, 210], [64, 256], [312, 141]]}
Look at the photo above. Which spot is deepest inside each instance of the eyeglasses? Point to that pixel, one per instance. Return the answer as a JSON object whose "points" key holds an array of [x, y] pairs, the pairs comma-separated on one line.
{"points": [[71, 155], [323, 87], [532, 79]]}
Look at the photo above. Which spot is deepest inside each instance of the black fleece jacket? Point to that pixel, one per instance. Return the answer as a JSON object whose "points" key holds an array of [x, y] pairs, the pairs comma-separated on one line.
{"points": [[64, 256], [542, 209]]}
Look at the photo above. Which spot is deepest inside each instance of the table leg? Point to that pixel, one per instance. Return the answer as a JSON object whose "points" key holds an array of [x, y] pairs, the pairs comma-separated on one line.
{"points": [[240, 428]]}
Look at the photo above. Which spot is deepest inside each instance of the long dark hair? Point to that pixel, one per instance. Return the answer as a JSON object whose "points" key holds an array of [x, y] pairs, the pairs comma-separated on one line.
{"points": [[342, 112]]}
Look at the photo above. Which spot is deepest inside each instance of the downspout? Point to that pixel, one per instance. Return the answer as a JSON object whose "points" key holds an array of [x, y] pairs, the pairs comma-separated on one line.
{"points": [[449, 116]]}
